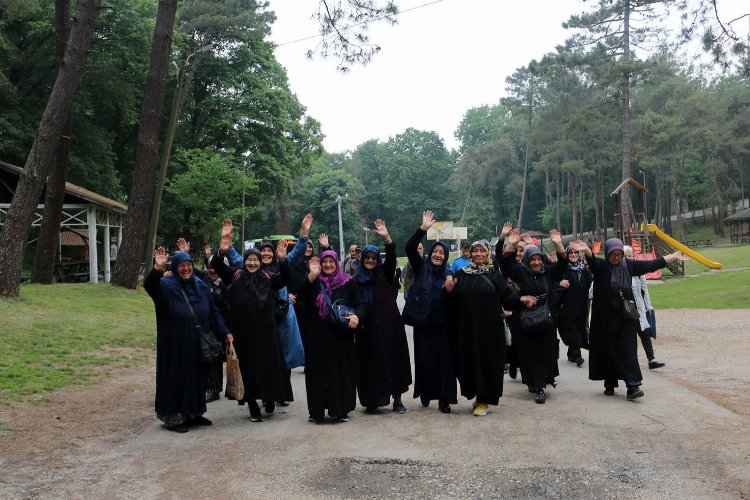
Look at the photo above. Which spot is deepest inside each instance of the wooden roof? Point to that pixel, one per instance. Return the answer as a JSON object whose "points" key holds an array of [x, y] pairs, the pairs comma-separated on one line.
{"points": [[741, 216], [77, 191], [632, 182]]}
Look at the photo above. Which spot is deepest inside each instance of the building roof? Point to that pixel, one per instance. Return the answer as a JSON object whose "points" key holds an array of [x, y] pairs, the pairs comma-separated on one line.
{"points": [[743, 215], [632, 182], [77, 191]]}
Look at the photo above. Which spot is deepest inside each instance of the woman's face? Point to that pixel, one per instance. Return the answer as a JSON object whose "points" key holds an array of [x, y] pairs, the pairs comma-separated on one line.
{"points": [[420, 250], [437, 256], [573, 257], [628, 253], [266, 255], [536, 262], [184, 269], [479, 255], [309, 251], [370, 260], [519, 252], [252, 263], [615, 257], [328, 265]]}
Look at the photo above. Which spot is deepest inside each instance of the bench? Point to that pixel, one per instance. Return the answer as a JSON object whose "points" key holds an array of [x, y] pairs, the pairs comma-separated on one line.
{"points": [[698, 243]]}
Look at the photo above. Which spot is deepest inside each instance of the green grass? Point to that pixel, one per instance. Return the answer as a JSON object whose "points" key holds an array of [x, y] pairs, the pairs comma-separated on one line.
{"points": [[57, 335], [720, 290]]}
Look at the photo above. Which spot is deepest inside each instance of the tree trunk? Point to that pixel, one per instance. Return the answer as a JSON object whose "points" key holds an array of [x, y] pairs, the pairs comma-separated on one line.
{"points": [[49, 234], [558, 188], [680, 225], [31, 182], [599, 203], [525, 168], [573, 206], [136, 225], [626, 167]]}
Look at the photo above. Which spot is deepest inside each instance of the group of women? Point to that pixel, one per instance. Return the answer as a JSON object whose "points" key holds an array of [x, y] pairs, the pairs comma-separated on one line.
{"points": [[353, 334]]}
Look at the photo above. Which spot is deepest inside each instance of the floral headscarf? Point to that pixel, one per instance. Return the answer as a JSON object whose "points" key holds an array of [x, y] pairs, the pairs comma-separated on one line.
{"points": [[471, 267], [338, 279]]}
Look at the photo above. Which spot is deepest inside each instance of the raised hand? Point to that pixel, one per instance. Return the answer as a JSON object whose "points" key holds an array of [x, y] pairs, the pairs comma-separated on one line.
{"points": [[160, 258], [428, 219], [281, 250], [579, 246], [555, 236], [381, 230], [507, 228], [526, 238], [514, 237], [450, 284], [323, 240], [226, 236], [314, 269], [183, 245], [307, 221]]}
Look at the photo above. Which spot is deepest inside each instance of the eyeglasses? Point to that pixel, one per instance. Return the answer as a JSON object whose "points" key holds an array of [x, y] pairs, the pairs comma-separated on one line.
{"points": [[370, 257]]}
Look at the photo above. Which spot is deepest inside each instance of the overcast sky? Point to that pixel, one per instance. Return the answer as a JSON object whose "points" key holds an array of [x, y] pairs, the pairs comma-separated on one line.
{"points": [[439, 61]]}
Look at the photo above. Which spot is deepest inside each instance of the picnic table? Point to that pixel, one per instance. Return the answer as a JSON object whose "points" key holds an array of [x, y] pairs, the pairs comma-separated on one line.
{"points": [[72, 271], [699, 243]]}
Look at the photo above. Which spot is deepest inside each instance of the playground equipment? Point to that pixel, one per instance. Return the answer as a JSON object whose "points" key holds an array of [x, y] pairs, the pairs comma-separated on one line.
{"points": [[633, 229]]}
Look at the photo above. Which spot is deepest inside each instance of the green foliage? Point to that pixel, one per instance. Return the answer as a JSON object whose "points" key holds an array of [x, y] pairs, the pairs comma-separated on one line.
{"points": [[67, 334]]}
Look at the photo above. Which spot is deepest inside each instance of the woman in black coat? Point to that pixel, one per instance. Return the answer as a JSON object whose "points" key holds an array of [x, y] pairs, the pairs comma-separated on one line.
{"points": [[536, 349], [382, 350], [573, 306], [180, 376], [250, 298], [477, 297], [613, 344], [330, 360], [434, 377]]}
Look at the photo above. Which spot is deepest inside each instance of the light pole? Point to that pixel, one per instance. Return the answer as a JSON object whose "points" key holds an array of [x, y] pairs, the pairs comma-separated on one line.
{"points": [[367, 233], [645, 197], [339, 198]]}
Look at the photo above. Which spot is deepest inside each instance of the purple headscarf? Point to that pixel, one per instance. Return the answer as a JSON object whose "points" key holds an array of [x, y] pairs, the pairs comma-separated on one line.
{"points": [[338, 279], [621, 279]]}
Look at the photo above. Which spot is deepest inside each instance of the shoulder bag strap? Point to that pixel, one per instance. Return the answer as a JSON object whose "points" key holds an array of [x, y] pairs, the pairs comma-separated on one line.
{"points": [[325, 295], [187, 301]]}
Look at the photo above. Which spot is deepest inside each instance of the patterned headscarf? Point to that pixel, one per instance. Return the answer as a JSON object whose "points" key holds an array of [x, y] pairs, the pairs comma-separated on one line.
{"points": [[621, 278], [338, 279], [364, 275], [578, 266], [471, 267]]}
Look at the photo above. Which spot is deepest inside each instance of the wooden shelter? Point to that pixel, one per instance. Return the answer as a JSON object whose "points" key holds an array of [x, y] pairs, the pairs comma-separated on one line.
{"points": [[84, 212], [739, 227], [638, 221]]}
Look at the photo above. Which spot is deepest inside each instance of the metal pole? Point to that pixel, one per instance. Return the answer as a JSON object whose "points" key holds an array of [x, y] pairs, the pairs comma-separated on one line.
{"points": [[367, 233], [341, 229]]}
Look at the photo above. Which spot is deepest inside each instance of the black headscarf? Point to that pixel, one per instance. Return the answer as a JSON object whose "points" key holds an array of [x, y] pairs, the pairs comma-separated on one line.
{"points": [[621, 279], [258, 283], [528, 253], [273, 267]]}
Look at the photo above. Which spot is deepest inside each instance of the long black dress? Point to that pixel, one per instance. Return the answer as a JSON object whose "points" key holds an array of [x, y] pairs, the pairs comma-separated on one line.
{"points": [[434, 375], [180, 376], [330, 359], [537, 350], [573, 311], [250, 301], [613, 338], [384, 368], [476, 310]]}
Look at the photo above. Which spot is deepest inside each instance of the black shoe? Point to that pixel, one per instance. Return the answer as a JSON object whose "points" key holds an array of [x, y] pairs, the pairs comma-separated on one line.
{"points": [[371, 409], [540, 397], [512, 372], [444, 409], [212, 396], [634, 392], [255, 415], [181, 429], [609, 391], [424, 400], [316, 420], [199, 421], [269, 407], [345, 418], [579, 361], [654, 364]]}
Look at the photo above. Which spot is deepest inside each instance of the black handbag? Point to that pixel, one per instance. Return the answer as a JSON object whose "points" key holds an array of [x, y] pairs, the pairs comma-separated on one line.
{"points": [[210, 349], [339, 311], [629, 309], [280, 307], [536, 318]]}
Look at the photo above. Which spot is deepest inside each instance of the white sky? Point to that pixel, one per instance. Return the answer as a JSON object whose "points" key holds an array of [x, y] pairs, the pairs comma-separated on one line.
{"points": [[435, 64]]}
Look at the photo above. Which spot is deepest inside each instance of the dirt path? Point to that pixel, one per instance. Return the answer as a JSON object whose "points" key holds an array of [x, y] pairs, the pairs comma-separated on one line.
{"points": [[686, 439]]}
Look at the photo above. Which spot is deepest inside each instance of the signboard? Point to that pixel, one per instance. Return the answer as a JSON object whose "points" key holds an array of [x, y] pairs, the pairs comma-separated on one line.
{"points": [[445, 230]]}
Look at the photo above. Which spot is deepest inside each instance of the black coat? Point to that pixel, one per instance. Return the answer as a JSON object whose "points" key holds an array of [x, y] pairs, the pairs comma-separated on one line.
{"points": [[330, 360], [476, 312], [573, 308], [254, 329], [613, 347], [180, 376], [536, 351], [384, 367]]}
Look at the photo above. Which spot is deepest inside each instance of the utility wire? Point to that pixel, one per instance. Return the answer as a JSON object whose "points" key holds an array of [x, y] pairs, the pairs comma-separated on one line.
{"points": [[359, 24]]}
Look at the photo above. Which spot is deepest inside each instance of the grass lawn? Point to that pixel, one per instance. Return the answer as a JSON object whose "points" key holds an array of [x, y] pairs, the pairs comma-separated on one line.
{"points": [[721, 290], [68, 333]]}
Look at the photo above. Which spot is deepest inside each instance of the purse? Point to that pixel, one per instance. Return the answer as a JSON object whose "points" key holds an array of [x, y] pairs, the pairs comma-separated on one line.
{"points": [[235, 387], [209, 347], [536, 318], [280, 308], [629, 309], [339, 311]]}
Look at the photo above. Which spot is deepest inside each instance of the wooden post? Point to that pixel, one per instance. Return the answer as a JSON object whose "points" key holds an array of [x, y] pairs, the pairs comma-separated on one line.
{"points": [[93, 257], [105, 245]]}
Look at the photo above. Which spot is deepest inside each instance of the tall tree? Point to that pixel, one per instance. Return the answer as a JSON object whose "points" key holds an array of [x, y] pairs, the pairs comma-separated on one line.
{"points": [[135, 229], [49, 234], [31, 182]]}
